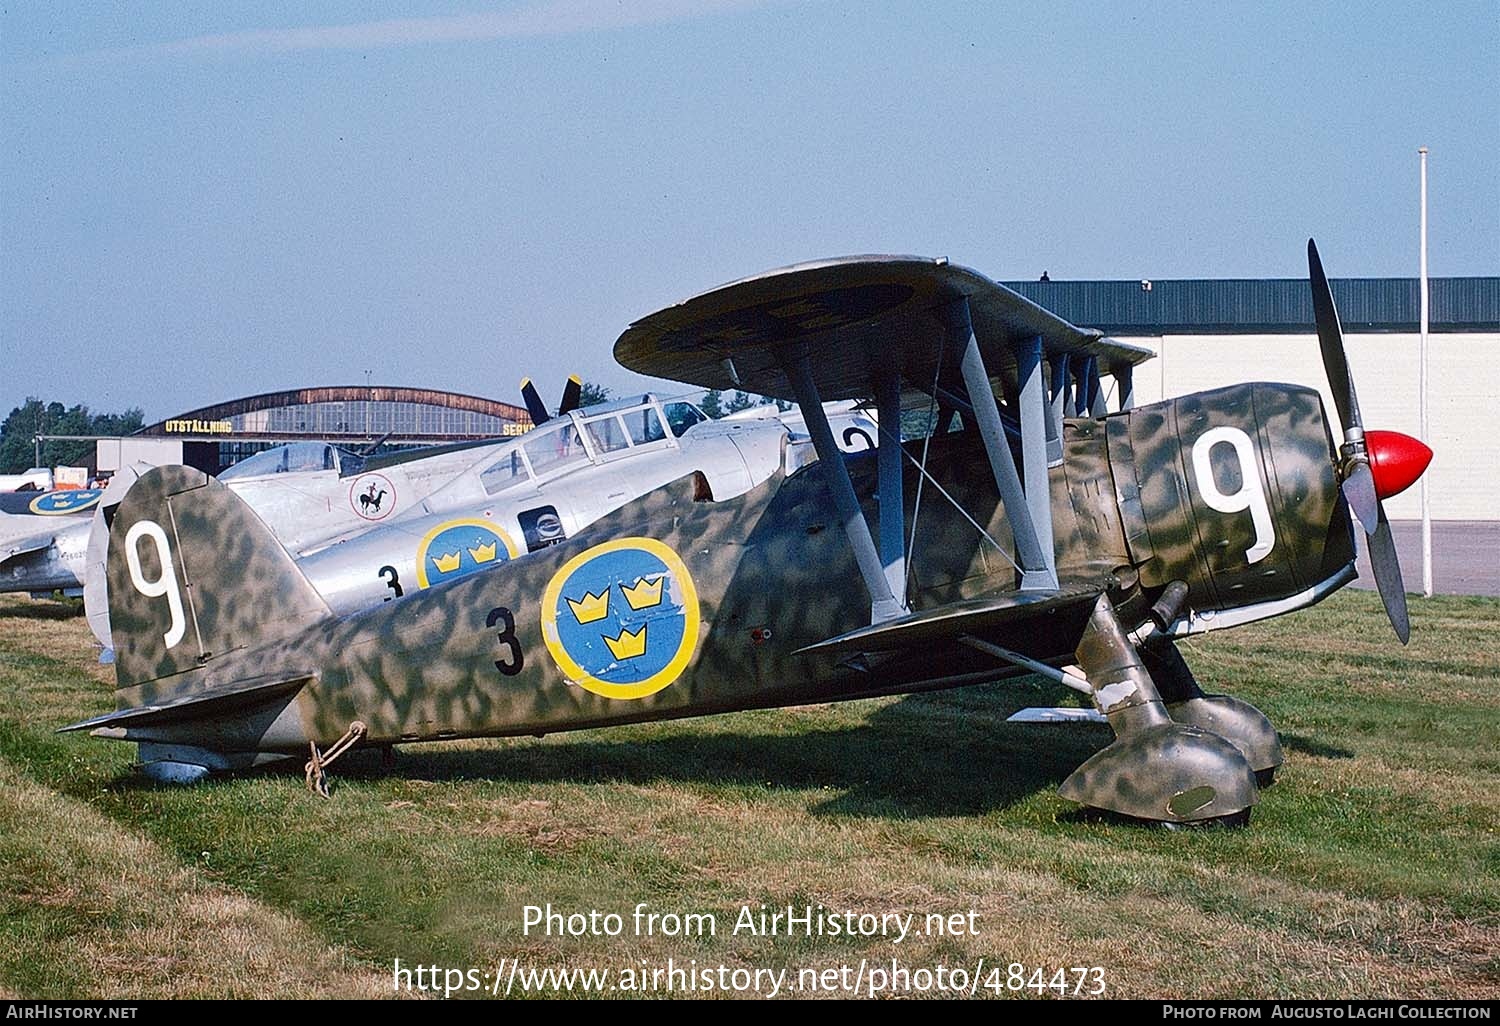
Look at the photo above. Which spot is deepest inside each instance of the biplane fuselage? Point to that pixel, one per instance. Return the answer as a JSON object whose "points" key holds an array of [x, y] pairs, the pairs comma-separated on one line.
{"points": [[744, 585], [1028, 541]]}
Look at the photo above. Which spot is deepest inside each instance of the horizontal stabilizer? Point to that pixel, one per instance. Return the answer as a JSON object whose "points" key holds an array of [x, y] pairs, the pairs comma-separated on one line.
{"points": [[200, 704], [952, 621], [1066, 714]]}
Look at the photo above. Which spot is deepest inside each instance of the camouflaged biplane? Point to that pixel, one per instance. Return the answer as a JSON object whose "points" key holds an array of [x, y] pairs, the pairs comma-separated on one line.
{"points": [[1025, 530]]}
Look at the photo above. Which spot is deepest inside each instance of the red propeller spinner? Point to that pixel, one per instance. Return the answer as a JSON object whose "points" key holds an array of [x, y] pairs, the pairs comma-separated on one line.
{"points": [[1396, 461]]}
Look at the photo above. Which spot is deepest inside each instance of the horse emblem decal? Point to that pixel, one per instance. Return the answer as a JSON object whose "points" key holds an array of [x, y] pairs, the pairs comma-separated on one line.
{"points": [[372, 496]]}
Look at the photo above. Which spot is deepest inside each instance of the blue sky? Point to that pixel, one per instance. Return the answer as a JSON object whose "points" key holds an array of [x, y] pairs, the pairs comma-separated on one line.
{"points": [[200, 201]]}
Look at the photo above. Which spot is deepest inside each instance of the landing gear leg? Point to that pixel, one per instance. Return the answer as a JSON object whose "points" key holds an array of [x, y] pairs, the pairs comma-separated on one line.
{"points": [[1245, 726], [1156, 769]]}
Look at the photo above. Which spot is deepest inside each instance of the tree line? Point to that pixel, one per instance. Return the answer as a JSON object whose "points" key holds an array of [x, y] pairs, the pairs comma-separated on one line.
{"points": [[716, 405], [37, 417]]}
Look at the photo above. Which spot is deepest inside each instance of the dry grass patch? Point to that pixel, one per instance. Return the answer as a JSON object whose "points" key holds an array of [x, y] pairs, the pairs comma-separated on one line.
{"points": [[95, 910]]}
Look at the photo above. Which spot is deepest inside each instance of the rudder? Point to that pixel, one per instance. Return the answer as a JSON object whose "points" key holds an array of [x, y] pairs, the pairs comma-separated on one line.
{"points": [[194, 575]]}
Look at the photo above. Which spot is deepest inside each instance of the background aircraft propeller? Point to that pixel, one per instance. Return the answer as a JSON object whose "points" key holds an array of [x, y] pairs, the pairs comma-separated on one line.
{"points": [[572, 391], [1397, 459], [538, 409]]}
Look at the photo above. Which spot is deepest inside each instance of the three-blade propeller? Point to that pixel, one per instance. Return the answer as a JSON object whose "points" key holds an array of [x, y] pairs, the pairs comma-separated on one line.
{"points": [[1358, 482]]}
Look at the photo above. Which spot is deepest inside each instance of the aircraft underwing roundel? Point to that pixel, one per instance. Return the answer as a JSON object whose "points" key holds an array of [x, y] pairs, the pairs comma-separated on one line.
{"points": [[61, 503], [621, 618]]}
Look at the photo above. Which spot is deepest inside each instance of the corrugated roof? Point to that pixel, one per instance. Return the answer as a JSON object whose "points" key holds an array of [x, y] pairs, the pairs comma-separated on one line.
{"points": [[1264, 305], [343, 394]]}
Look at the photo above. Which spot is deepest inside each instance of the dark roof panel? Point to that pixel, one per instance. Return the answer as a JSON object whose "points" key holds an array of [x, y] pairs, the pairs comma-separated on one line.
{"points": [[1264, 305]]}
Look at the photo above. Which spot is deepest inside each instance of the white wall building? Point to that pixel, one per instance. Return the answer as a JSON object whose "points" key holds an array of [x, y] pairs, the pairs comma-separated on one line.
{"points": [[1215, 333]]}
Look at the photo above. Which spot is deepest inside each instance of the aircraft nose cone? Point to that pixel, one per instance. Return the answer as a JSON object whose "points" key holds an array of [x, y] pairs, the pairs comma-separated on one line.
{"points": [[1396, 461]]}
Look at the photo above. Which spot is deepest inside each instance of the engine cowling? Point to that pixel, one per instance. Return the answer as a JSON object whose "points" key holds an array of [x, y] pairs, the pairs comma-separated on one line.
{"points": [[1232, 491]]}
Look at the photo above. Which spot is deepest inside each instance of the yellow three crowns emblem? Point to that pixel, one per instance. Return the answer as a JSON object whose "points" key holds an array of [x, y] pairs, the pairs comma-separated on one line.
{"points": [[644, 594], [628, 645], [441, 551], [596, 607]]}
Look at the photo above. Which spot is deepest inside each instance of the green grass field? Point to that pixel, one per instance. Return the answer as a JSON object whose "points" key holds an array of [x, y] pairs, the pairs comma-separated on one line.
{"points": [[1371, 869]]}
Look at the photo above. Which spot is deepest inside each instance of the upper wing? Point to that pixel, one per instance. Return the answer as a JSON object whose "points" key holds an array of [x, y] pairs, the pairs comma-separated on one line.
{"points": [[851, 313], [869, 327]]}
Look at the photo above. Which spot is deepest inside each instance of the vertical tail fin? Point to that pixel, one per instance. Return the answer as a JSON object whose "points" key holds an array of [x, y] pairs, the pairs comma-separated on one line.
{"points": [[193, 575]]}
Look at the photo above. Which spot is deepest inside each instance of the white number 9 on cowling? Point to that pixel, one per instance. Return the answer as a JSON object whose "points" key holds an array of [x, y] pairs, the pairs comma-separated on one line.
{"points": [[1250, 495]]}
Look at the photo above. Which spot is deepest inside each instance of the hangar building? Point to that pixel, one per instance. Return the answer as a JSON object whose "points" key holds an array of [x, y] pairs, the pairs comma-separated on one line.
{"points": [[215, 437]]}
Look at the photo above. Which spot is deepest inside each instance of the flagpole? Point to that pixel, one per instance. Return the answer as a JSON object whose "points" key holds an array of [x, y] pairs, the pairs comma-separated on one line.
{"points": [[1422, 399]]}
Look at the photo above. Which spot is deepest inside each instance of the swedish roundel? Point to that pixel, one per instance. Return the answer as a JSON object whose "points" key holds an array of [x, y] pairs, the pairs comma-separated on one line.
{"points": [[621, 619], [76, 500], [456, 548]]}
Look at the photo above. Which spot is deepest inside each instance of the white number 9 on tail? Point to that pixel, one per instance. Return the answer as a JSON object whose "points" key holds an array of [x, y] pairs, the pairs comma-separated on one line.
{"points": [[166, 584]]}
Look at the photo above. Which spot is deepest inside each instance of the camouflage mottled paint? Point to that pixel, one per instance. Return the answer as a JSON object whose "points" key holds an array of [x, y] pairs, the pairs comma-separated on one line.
{"points": [[1174, 534], [1234, 719], [1170, 772], [236, 586], [773, 573], [1160, 768]]}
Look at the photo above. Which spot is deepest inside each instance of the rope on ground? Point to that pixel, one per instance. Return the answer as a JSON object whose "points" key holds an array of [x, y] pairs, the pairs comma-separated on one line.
{"points": [[317, 779]]}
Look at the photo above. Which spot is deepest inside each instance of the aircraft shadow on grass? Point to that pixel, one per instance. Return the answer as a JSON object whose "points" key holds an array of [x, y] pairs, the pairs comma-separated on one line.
{"points": [[904, 761], [1311, 746], [925, 755]]}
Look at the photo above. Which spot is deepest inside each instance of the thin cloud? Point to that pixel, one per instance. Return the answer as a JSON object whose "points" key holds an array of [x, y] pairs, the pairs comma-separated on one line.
{"points": [[553, 18]]}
